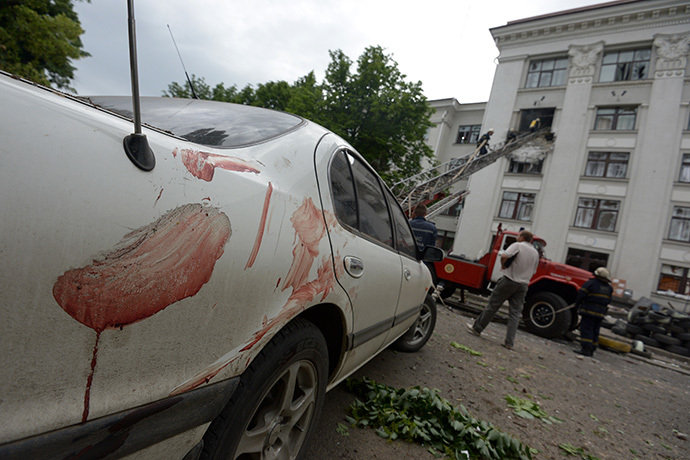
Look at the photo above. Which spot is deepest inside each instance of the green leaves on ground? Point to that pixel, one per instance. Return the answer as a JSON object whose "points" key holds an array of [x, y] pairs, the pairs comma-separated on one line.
{"points": [[465, 348], [528, 409], [572, 450], [421, 415]]}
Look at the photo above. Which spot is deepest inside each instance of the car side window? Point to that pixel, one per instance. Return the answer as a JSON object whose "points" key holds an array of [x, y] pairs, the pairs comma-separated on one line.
{"points": [[403, 233], [343, 189], [364, 206]]}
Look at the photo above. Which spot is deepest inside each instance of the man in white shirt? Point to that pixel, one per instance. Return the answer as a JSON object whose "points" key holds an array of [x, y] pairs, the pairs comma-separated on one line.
{"points": [[511, 287]]}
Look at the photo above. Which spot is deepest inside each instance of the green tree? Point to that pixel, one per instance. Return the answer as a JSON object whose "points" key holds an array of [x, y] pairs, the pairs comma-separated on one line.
{"points": [[383, 116], [39, 39], [374, 108]]}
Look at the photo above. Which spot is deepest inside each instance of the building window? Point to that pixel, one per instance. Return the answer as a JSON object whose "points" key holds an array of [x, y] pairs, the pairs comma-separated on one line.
{"points": [[547, 72], [685, 169], [607, 164], [615, 118], [586, 260], [673, 278], [468, 134], [523, 167], [680, 224], [517, 206], [597, 214], [625, 65]]}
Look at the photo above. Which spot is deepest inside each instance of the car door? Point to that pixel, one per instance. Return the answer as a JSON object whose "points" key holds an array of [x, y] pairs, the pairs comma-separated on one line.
{"points": [[367, 264]]}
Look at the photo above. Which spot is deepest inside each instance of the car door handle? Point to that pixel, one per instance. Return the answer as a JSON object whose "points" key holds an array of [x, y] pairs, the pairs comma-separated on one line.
{"points": [[354, 266], [407, 274]]}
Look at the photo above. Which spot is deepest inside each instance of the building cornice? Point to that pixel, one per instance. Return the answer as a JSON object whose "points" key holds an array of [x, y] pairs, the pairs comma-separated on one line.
{"points": [[593, 22]]}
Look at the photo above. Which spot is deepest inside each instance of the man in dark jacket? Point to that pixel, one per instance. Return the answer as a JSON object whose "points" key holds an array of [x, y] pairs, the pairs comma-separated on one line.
{"points": [[483, 142], [592, 303], [424, 231]]}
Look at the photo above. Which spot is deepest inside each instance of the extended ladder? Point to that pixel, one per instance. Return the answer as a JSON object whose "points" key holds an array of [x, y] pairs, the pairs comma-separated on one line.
{"points": [[434, 183]]}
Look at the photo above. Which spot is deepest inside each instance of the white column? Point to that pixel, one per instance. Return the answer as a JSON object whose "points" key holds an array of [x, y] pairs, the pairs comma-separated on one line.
{"points": [[653, 168]]}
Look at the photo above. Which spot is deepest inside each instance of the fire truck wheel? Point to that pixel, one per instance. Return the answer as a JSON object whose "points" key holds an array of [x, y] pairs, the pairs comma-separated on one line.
{"points": [[540, 317]]}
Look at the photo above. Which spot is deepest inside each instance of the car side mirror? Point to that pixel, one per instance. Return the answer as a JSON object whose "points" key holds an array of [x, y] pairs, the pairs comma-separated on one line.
{"points": [[432, 254]]}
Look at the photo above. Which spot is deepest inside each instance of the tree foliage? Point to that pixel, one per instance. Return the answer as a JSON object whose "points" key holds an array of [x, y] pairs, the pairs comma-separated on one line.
{"points": [[372, 107], [39, 39]]}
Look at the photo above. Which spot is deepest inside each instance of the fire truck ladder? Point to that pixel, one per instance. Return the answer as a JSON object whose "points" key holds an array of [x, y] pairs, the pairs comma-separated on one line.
{"points": [[432, 185]]}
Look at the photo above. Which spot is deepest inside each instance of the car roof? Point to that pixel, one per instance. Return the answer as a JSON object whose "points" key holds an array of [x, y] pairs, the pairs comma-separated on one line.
{"points": [[209, 123]]}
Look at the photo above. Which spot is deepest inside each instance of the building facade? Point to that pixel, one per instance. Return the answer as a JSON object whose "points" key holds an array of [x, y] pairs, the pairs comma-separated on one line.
{"points": [[611, 82]]}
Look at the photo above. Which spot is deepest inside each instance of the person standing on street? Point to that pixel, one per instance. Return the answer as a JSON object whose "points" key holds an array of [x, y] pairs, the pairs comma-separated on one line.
{"points": [[592, 303], [519, 263], [425, 232]]}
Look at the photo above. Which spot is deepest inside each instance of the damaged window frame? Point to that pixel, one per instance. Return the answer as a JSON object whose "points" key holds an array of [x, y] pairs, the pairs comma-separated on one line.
{"points": [[607, 165], [525, 167], [625, 65], [468, 134], [593, 216], [673, 278]]}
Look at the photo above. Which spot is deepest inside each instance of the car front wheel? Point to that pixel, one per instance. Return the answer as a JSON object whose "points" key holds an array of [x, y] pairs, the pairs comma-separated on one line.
{"points": [[274, 409]]}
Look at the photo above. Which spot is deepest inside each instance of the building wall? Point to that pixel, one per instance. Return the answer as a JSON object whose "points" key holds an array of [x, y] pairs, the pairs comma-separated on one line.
{"points": [[639, 243]]}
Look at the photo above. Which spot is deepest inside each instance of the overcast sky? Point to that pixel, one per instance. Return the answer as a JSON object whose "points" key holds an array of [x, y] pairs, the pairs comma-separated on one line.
{"points": [[444, 44]]}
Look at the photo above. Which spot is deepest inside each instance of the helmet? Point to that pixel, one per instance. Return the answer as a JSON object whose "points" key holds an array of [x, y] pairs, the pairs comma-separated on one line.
{"points": [[603, 273]]}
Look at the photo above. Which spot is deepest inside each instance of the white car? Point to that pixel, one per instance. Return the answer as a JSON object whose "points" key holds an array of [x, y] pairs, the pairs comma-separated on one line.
{"points": [[196, 304]]}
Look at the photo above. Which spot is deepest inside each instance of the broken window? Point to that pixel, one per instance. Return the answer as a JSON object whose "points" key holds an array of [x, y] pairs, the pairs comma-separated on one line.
{"points": [[517, 206], [685, 169], [597, 214], [547, 72], [586, 260], [521, 167], [673, 278], [680, 224], [607, 164], [468, 134], [625, 65], [615, 118]]}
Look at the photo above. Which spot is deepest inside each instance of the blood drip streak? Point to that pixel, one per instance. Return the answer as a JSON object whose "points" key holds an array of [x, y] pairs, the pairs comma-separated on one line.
{"points": [[149, 269], [262, 226], [89, 380]]}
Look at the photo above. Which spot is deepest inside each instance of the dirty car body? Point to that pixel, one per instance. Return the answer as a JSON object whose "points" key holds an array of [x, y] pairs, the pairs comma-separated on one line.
{"points": [[144, 311]]}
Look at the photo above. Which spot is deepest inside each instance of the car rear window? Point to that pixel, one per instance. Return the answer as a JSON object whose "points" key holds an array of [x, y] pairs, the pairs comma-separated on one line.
{"points": [[209, 123]]}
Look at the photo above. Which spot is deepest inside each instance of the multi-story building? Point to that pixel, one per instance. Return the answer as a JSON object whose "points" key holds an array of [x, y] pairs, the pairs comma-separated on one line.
{"points": [[610, 80]]}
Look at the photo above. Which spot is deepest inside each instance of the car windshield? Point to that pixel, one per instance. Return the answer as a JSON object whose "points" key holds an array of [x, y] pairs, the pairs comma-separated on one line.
{"points": [[209, 123]]}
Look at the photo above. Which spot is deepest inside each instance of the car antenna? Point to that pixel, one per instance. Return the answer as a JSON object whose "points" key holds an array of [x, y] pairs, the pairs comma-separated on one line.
{"points": [[136, 145], [191, 85]]}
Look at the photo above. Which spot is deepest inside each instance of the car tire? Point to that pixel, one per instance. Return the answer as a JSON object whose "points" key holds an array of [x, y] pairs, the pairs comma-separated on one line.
{"points": [[667, 339], [634, 329], [419, 333], [540, 317], [677, 350], [654, 329], [648, 340], [274, 410], [684, 336], [620, 331]]}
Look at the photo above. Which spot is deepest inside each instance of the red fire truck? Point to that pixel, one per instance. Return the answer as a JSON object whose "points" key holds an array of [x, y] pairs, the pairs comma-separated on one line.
{"points": [[552, 288]]}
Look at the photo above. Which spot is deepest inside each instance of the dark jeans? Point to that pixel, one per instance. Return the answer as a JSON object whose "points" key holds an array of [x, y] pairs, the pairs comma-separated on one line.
{"points": [[589, 333], [514, 293]]}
